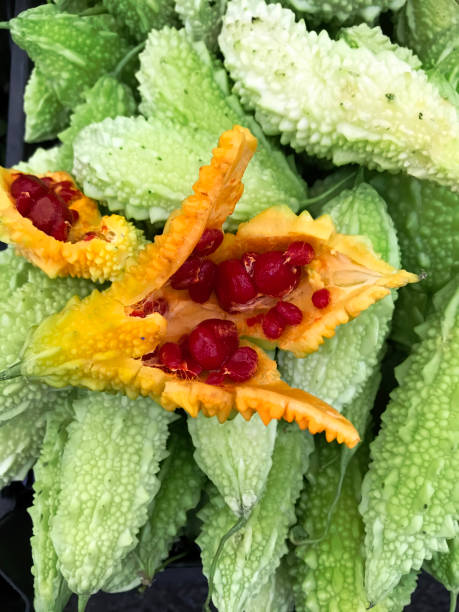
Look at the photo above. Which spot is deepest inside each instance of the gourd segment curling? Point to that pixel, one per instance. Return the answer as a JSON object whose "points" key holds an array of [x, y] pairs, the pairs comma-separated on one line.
{"points": [[114, 241]]}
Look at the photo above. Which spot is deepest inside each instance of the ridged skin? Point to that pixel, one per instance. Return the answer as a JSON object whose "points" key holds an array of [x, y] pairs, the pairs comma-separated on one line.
{"points": [[50, 590], [45, 115], [29, 296], [445, 567], [342, 9], [251, 556], [276, 595], [202, 19], [430, 28], [426, 217], [180, 490], [108, 479], [42, 161], [140, 16], [72, 52], [335, 101], [106, 98], [353, 352], [410, 499], [235, 456], [187, 111]]}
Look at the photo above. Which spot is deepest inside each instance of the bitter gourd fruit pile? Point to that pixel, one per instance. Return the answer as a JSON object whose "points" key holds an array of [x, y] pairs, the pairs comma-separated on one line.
{"points": [[211, 335]]}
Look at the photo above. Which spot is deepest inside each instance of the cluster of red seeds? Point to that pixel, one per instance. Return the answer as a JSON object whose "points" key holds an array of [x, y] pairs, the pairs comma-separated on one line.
{"points": [[212, 346], [239, 282], [148, 306], [45, 202]]}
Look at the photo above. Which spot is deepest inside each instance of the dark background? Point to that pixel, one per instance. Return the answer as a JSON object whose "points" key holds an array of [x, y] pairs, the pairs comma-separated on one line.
{"points": [[181, 587]]}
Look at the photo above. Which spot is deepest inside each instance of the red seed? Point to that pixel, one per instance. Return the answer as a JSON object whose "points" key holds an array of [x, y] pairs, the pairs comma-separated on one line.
{"points": [[242, 365], [48, 181], [149, 305], [24, 203], [289, 313], [74, 214], [212, 342], [215, 378], [89, 236], [209, 242], [321, 298], [233, 285], [273, 325], [26, 183], [188, 273], [251, 321], [67, 191], [170, 355], [273, 276], [151, 359], [200, 292], [49, 215], [248, 261], [299, 253]]}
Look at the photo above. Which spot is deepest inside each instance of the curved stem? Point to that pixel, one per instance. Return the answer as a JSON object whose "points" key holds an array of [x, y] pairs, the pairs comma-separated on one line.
{"points": [[238, 525], [331, 190], [134, 51], [453, 601]]}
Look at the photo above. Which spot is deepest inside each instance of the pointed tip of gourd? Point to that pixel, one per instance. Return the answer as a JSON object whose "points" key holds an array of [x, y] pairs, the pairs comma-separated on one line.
{"points": [[13, 371]]}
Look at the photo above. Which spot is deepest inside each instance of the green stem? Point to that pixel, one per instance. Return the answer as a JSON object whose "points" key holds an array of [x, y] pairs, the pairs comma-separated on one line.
{"points": [[134, 51], [238, 525], [4, 25], [453, 601], [329, 191], [82, 602], [13, 371]]}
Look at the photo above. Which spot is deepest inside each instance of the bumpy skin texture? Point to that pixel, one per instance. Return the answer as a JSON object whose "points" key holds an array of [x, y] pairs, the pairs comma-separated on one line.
{"points": [[409, 498], [108, 479], [50, 590], [426, 216], [236, 456], [42, 161], [106, 98], [276, 595], [335, 101], [430, 28], [353, 352], [100, 259], [251, 556], [342, 9], [140, 16], [72, 52], [28, 297], [202, 19], [20, 440], [45, 115]]}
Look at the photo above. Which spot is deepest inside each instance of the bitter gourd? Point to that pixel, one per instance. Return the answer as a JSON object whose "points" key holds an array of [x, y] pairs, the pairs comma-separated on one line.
{"points": [[41, 161], [250, 557], [445, 568], [202, 19], [341, 10], [28, 298], [276, 595], [108, 479], [236, 456], [354, 350], [336, 101], [50, 589], [45, 115], [108, 97], [409, 498], [140, 16], [70, 51]]}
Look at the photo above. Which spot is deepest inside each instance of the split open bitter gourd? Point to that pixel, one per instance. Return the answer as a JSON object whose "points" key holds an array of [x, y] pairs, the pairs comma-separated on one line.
{"points": [[60, 230], [175, 326]]}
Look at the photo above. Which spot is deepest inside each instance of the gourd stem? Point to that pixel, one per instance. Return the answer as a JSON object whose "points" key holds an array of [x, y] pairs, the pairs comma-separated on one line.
{"points": [[452, 601], [82, 602], [329, 191], [134, 51], [238, 525], [4, 25], [13, 371]]}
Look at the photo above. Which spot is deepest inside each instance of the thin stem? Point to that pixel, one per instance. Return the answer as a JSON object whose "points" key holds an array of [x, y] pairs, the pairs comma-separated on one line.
{"points": [[4, 25], [453, 601], [238, 525], [134, 51], [13, 371], [82, 602], [331, 190]]}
